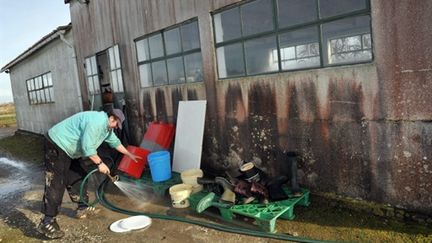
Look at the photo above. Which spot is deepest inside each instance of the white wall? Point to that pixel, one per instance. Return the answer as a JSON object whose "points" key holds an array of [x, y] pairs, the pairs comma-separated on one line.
{"points": [[59, 59]]}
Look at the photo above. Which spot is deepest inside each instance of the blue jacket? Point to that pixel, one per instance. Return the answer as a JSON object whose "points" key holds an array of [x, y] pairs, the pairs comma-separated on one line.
{"points": [[81, 134]]}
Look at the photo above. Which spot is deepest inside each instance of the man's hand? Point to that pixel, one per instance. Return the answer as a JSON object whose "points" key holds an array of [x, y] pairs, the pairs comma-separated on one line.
{"points": [[134, 157], [103, 168]]}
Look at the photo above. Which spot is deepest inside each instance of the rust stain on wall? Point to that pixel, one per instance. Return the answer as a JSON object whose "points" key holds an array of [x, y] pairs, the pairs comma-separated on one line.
{"points": [[176, 96], [362, 130]]}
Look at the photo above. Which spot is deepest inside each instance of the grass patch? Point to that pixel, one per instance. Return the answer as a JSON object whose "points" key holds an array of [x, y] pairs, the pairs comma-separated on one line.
{"points": [[7, 115], [326, 220], [7, 120], [7, 108], [23, 146]]}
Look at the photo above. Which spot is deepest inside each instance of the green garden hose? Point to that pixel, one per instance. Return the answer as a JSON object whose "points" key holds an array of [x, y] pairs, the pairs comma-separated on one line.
{"points": [[100, 197]]}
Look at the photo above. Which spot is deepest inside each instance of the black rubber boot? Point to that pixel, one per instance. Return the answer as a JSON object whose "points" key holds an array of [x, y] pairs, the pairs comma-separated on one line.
{"points": [[276, 193], [292, 158]]}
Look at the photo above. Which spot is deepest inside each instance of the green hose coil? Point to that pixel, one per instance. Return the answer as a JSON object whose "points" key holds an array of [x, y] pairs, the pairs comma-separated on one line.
{"points": [[100, 197]]}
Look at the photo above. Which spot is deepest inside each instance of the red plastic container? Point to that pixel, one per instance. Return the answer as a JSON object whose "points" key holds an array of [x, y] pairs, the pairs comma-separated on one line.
{"points": [[132, 168], [160, 133]]}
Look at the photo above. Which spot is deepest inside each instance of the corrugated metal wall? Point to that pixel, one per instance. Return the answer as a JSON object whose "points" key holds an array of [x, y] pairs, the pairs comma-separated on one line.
{"points": [[59, 59], [363, 130]]}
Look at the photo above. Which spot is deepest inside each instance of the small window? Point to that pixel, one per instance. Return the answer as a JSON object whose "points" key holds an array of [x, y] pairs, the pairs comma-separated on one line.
{"points": [[190, 36], [230, 60], [175, 70], [193, 65], [145, 75], [299, 49], [294, 12], [172, 40], [92, 76], [347, 40], [174, 59], [159, 73], [40, 89], [115, 69], [143, 50], [227, 25], [257, 17], [259, 55], [156, 46]]}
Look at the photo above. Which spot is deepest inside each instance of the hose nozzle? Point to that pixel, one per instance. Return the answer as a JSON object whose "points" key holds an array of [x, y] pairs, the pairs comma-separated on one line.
{"points": [[113, 178]]}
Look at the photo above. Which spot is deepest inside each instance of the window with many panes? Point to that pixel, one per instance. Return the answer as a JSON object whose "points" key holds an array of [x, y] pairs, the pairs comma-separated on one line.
{"points": [[265, 36], [40, 89], [170, 56]]}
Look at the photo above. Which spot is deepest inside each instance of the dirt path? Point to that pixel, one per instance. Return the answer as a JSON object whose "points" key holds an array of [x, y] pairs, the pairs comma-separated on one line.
{"points": [[7, 131]]}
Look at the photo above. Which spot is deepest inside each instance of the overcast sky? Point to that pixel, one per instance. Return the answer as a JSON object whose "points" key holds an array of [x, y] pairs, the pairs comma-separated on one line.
{"points": [[22, 24]]}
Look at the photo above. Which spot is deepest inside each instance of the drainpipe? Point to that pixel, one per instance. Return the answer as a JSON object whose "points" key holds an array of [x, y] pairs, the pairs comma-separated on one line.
{"points": [[77, 86]]}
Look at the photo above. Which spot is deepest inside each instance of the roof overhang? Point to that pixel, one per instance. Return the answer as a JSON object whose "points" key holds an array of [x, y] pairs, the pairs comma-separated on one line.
{"points": [[35, 47]]}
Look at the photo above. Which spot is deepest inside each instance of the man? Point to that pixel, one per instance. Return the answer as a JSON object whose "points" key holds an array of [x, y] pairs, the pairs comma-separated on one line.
{"points": [[75, 137]]}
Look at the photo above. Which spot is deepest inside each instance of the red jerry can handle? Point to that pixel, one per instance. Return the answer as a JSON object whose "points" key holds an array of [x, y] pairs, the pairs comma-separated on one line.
{"points": [[132, 168]]}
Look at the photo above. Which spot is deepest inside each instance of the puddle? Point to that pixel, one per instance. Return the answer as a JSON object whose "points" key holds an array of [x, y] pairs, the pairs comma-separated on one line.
{"points": [[12, 163], [15, 177]]}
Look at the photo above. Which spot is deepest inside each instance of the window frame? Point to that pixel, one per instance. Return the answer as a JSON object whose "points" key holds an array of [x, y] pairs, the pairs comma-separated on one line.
{"points": [[37, 89], [165, 57], [115, 69], [277, 31], [93, 76]]}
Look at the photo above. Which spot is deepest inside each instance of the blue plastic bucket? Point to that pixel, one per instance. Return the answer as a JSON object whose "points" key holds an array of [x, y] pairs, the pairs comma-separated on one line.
{"points": [[160, 165]]}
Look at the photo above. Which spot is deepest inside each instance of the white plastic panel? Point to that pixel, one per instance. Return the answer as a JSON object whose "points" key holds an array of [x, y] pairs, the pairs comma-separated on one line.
{"points": [[189, 135]]}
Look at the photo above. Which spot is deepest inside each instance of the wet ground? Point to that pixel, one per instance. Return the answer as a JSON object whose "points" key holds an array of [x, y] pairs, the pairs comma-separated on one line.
{"points": [[21, 189], [21, 195]]}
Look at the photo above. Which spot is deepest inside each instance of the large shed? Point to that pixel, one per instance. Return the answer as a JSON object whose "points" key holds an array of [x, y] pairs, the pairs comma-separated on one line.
{"points": [[345, 83]]}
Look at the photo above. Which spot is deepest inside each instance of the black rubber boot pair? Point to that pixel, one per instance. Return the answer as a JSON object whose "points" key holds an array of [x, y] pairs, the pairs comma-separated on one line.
{"points": [[276, 193]]}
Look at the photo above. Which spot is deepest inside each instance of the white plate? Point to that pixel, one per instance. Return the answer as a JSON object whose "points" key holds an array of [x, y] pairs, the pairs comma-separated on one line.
{"points": [[131, 223], [115, 227], [135, 222]]}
